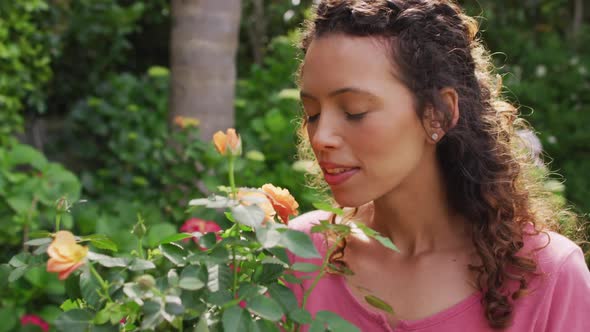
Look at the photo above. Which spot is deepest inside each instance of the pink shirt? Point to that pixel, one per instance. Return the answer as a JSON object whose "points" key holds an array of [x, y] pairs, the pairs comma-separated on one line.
{"points": [[559, 299]]}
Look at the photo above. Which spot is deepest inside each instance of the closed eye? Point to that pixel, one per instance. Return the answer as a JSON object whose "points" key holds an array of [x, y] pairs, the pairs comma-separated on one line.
{"points": [[356, 116], [312, 118]]}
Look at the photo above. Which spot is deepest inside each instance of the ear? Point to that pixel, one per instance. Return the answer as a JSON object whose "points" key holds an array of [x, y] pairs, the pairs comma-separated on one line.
{"points": [[450, 97], [434, 119]]}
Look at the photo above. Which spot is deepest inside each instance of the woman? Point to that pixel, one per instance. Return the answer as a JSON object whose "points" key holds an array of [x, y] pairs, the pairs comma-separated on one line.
{"points": [[405, 120]]}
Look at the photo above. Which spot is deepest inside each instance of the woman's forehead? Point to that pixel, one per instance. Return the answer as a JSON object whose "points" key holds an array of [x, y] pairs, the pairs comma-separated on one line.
{"points": [[340, 60]]}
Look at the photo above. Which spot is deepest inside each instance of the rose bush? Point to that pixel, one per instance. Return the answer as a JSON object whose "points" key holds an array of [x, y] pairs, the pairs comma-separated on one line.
{"points": [[234, 280]]}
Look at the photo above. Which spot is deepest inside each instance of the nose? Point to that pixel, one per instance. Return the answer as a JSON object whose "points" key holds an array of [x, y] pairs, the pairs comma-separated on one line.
{"points": [[325, 134]]}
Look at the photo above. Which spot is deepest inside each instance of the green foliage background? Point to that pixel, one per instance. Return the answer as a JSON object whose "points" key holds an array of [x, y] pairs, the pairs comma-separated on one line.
{"points": [[98, 69]]}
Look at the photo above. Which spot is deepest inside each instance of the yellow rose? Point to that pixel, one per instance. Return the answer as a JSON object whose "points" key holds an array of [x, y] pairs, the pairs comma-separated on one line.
{"points": [[228, 141], [65, 255], [282, 201]]}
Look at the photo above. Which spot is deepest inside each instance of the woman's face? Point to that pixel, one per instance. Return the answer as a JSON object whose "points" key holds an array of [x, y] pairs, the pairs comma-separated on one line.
{"points": [[361, 120]]}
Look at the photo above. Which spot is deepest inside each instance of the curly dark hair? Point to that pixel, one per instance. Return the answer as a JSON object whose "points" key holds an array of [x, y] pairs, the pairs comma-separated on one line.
{"points": [[433, 44]]}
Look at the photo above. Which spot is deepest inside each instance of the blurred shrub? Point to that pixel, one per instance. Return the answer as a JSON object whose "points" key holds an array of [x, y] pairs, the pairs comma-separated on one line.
{"points": [[91, 41], [128, 153], [267, 107], [30, 186], [547, 71], [24, 63]]}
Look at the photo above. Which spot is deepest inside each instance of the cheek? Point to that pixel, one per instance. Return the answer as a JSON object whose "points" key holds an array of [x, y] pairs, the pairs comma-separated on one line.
{"points": [[395, 144]]}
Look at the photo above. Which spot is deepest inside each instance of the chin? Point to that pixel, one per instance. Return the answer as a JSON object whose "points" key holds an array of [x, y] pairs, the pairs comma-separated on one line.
{"points": [[349, 200]]}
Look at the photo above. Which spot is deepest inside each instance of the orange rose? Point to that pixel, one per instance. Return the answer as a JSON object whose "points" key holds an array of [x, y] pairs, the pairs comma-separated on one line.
{"points": [[230, 141], [253, 196], [65, 255], [282, 201]]}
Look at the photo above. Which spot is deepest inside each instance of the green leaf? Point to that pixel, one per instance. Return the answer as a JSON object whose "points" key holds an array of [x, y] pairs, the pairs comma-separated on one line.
{"points": [[159, 231], [42, 249], [104, 328], [379, 304], [229, 216], [25, 154], [189, 278], [38, 242], [175, 237], [213, 201], [20, 204], [317, 326], [8, 317], [174, 306], [208, 240], [220, 297], [280, 253], [19, 260], [268, 236], [89, 287], [220, 277], [152, 315], [38, 234], [251, 215], [5, 270], [265, 307], [173, 278], [218, 255], [107, 261], [101, 242], [261, 325], [292, 279], [305, 267], [299, 243], [102, 316], [202, 325], [139, 264], [284, 296], [17, 273], [335, 322], [329, 208], [69, 304], [72, 287], [325, 225], [74, 320], [386, 242], [174, 253], [300, 316], [235, 319], [269, 273]]}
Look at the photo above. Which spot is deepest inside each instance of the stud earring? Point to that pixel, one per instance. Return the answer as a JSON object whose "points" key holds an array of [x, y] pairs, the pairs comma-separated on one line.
{"points": [[434, 136]]}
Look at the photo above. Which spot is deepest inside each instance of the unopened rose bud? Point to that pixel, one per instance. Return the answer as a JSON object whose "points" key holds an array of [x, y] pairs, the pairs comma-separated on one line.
{"points": [[146, 282], [228, 142]]}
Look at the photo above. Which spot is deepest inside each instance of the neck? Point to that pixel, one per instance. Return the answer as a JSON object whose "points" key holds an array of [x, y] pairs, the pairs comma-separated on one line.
{"points": [[416, 215]]}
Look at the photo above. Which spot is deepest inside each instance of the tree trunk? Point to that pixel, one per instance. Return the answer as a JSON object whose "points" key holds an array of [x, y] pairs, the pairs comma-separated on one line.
{"points": [[204, 42], [578, 17]]}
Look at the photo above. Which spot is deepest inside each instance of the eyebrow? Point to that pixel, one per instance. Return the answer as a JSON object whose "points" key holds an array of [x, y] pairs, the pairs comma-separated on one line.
{"points": [[338, 92]]}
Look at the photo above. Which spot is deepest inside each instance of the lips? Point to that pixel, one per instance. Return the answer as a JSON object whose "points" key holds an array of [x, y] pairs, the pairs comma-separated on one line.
{"points": [[336, 174]]}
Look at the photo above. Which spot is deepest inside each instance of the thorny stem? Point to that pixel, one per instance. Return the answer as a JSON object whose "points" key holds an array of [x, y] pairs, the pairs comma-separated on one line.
{"points": [[232, 182], [235, 228], [140, 247], [319, 276], [57, 221], [27, 224], [103, 284], [234, 264]]}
